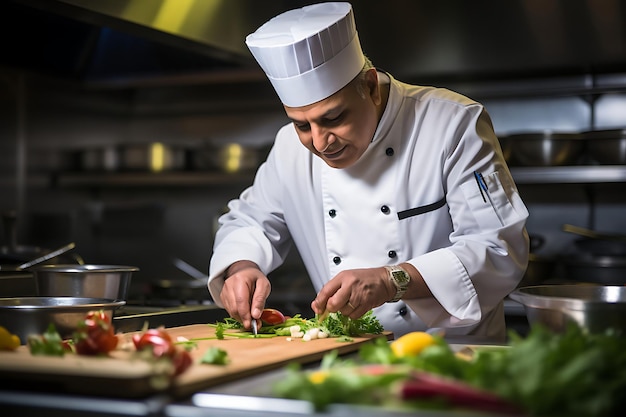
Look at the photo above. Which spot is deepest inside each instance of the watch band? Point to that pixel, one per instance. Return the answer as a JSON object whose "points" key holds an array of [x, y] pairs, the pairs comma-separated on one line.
{"points": [[400, 278]]}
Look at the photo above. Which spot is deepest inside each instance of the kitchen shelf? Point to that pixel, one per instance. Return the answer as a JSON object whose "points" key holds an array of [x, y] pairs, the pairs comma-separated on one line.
{"points": [[143, 179], [569, 174], [523, 175]]}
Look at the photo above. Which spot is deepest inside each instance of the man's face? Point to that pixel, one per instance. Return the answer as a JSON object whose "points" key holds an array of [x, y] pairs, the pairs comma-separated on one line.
{"points": [[340, 128]]}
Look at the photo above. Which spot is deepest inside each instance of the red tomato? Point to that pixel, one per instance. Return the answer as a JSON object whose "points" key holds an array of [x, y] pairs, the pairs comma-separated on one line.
{"points": [[95, 334], [156, 339], [272, 317], [160, 343], [181, 361]]}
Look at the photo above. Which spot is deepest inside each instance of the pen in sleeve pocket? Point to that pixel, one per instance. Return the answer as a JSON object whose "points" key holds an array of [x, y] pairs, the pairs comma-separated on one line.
{"points": [[481, 185]]}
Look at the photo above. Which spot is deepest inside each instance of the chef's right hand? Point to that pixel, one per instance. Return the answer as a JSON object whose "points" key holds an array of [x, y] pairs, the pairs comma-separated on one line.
{"points": [[244, 293]]}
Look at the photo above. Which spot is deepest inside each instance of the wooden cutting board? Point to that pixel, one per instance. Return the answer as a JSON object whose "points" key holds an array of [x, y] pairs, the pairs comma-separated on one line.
{"points": [[119, 375]]}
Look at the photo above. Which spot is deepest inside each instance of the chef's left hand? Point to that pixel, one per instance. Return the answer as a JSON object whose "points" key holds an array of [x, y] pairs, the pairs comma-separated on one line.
{"points": [[354, 292]]}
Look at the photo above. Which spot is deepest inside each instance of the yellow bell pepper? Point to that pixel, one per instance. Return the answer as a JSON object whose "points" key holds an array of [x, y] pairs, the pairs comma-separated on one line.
{"points": [[8, 341], [411, 344]]}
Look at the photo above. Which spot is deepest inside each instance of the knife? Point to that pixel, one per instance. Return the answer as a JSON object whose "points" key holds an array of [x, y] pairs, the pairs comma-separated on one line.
{"points": [[255, 330]]}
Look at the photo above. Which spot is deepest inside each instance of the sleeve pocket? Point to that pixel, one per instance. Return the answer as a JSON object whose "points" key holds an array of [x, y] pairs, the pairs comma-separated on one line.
{"points": [[495, 210]]}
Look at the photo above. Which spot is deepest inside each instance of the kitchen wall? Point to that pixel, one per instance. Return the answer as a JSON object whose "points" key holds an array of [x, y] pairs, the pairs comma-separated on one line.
{"points": [[48, 121]]}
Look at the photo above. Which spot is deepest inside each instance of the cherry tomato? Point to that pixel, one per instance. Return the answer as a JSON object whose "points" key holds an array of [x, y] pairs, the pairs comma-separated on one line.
{"points": [[95, 334], [160, 343], [272, 317], [156, 339], [181, 361]]}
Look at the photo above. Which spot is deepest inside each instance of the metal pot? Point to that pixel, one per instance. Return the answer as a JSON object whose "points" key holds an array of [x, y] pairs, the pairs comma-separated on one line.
{"points": [[93, 281], [546, 149], [607, 147], [601, 247], [24, 316], [605, 270], [598, 243]]}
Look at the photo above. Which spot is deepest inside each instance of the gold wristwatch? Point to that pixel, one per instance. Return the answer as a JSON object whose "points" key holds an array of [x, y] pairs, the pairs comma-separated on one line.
{"points": [[400, 279]]}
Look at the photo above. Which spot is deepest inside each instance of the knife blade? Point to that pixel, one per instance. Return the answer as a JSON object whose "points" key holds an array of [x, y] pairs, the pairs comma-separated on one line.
{"points": [[255, 330]]}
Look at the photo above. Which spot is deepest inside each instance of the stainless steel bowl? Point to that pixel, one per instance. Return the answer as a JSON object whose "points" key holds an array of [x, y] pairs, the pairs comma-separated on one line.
{"points": [[595, 308], [546, 149], [24, 316], [92, 281]]}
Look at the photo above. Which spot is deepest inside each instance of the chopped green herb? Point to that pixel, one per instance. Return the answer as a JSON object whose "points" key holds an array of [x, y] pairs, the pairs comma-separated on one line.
{"points": [[215, 356], [47, 344]]}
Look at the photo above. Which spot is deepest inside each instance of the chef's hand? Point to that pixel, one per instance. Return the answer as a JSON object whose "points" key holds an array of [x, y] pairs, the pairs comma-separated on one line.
{"points": [[356, 291], [244, 293]]}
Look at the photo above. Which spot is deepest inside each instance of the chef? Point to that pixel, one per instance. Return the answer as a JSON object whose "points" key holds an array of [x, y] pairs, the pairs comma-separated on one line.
{"points": [[396, 196]]}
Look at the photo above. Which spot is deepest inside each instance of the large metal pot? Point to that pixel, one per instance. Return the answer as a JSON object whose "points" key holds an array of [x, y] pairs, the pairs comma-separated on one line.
{"points": [[92, 281]]}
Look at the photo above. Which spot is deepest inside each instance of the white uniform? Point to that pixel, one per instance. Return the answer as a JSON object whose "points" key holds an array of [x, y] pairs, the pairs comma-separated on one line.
{"points": [[412, 197]]}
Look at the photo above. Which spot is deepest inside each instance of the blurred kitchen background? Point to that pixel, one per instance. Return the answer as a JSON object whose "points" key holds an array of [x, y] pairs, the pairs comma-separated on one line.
{"points": [[127, 125]]}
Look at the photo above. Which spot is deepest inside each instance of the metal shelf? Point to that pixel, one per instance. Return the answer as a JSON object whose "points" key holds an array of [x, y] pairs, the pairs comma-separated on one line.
{"points": [[580, 174], [569, 174]]}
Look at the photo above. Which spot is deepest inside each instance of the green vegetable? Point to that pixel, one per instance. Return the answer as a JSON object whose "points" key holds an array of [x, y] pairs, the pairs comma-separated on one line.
{"points": [[545, 374], [48, 343], [215, 356], [336, 324]]}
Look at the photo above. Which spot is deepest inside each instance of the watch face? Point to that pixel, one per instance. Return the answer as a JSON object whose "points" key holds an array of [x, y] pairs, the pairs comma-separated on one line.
{"points": [[400, 277]]}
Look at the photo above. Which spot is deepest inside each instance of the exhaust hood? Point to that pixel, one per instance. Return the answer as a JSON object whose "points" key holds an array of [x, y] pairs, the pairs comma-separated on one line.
{"points": [[96, 41], [134, 41]]}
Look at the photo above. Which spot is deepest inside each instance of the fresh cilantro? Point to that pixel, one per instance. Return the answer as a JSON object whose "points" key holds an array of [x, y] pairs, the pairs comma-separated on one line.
{"points": [[219, 331], [339, 325], [215, 356]]}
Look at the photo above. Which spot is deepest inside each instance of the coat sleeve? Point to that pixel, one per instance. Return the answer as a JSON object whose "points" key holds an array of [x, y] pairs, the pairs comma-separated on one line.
{"points": [[253, 229], [489, 244]]}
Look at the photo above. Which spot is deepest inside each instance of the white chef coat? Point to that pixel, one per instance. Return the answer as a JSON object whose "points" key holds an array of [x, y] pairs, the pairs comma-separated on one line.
{"points": [[412, 197]]}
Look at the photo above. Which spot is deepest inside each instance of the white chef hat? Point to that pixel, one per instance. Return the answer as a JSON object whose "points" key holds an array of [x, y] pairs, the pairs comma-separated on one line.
{"points": [[309, 54]]}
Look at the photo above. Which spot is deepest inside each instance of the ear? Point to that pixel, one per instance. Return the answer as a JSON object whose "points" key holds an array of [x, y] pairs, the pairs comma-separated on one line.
{"points": [[371, 81]]}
